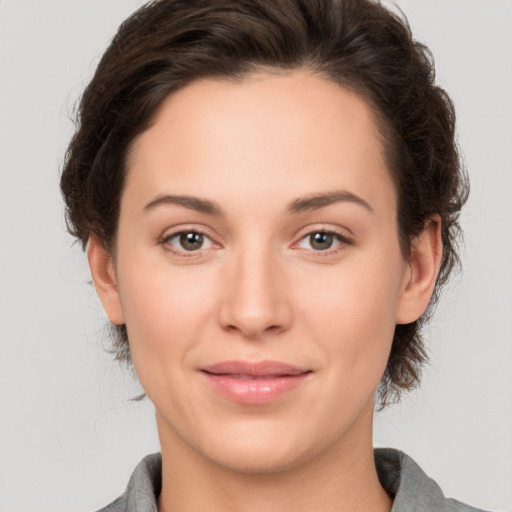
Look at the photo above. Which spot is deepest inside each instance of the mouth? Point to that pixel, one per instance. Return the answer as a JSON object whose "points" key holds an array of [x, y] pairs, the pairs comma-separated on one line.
{"points": [[257, 383]]}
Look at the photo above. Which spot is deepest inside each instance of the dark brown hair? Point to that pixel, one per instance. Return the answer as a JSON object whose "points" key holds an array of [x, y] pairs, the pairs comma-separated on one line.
{"points": [[358, 44]]}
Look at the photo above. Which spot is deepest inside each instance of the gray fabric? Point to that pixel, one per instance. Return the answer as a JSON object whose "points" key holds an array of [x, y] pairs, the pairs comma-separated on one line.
{"points": [[143, 489], [412, 489]]}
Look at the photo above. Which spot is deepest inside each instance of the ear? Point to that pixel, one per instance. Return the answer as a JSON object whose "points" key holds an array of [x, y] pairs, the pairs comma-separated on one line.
{"points": [[421, 275], [104, 278]]}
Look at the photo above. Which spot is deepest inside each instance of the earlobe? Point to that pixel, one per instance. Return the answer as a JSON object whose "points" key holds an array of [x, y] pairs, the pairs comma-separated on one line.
{"points": [[424, 264], [104, 278]]}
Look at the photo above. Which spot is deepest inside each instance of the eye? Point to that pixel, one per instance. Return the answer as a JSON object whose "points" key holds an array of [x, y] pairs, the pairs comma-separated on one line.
{"points": [[323, 241], [187, 241]]}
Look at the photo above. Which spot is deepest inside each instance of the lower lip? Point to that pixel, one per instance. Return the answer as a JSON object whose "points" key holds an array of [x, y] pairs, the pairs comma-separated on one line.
{"points": [[254, 391]]}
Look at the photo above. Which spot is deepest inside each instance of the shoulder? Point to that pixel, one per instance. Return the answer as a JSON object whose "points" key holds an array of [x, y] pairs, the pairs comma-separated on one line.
{"points": [[411, 487], [143, 489]]}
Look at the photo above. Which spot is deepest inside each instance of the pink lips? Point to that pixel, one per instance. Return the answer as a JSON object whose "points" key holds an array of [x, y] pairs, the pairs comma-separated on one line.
{"points": [[254, 383]]}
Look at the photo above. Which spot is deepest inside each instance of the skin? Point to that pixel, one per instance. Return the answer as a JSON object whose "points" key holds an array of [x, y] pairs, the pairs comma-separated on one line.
{"points": [[259, 288]]}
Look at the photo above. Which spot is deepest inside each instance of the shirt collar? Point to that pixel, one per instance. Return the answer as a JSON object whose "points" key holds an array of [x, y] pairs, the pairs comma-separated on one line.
{"points": [[401, 477]]}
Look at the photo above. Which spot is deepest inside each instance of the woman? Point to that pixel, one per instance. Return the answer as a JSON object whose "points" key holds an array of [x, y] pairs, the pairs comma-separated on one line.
{"points": [[269, 195]]}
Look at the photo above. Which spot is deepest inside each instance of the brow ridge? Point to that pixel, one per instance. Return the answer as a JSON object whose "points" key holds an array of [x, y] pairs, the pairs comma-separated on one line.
{"points": [[191, 202], [323, 199], [302, 204]]}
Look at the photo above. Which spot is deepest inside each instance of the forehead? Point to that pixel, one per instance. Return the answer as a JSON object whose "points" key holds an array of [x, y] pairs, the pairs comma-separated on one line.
{"points": [[293, 132]]}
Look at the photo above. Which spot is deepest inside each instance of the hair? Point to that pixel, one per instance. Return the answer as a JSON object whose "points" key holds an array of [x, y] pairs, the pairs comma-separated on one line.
{"points": [[358, 44]]}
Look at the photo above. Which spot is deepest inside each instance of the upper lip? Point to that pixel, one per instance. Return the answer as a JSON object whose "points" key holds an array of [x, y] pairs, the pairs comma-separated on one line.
{"points": [[255, 369]]}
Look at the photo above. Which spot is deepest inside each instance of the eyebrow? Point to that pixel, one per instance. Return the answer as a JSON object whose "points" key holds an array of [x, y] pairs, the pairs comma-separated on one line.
{"points": [[322, 199], [302, 204], [191, 202]]}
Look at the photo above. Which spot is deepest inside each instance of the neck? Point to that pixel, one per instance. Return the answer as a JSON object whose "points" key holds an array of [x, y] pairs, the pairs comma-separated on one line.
{"points": [[343, 478]]}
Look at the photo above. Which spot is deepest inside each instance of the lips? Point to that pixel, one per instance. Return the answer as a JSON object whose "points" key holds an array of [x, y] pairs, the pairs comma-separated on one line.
{"points": [[254, 383]]}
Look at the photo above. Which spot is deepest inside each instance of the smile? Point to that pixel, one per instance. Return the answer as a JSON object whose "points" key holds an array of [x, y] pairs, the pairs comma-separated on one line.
{"points": [[254, 383]]}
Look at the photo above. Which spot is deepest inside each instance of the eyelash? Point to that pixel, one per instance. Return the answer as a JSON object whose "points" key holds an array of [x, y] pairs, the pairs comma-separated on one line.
{"points": [[182, 253], [343, 240]]}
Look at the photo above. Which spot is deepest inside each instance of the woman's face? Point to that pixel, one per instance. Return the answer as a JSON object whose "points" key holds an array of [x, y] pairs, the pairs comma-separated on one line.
{"points": [[258, 269]]}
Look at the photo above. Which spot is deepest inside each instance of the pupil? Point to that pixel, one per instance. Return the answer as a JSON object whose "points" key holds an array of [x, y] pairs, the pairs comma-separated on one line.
{"points": [[321, 241], [191, 240]]}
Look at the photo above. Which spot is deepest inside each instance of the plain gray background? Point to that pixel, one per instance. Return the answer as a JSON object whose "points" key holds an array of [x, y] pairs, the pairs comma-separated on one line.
{"points": [[69, 436]]}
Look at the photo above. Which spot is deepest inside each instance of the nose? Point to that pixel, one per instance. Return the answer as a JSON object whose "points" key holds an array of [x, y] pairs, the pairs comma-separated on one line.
{"points": [[256, 301]]}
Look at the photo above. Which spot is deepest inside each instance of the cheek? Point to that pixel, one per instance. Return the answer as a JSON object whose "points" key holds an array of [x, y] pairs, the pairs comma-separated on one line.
{"points": [[352, 311], [164, 306]]}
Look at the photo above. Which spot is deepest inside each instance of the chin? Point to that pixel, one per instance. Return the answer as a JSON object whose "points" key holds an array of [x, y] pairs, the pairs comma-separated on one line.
{"points": [[255, 460], [260, 448]]}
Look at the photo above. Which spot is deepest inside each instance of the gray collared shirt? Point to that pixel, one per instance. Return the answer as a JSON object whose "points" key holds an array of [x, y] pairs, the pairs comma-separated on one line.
{"points": [[412, 489]]}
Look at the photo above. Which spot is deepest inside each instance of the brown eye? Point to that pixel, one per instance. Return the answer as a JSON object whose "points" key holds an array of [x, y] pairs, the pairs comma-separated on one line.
{"points": [[188, 241], [324, 241], [321, 241], [191, 241]]}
